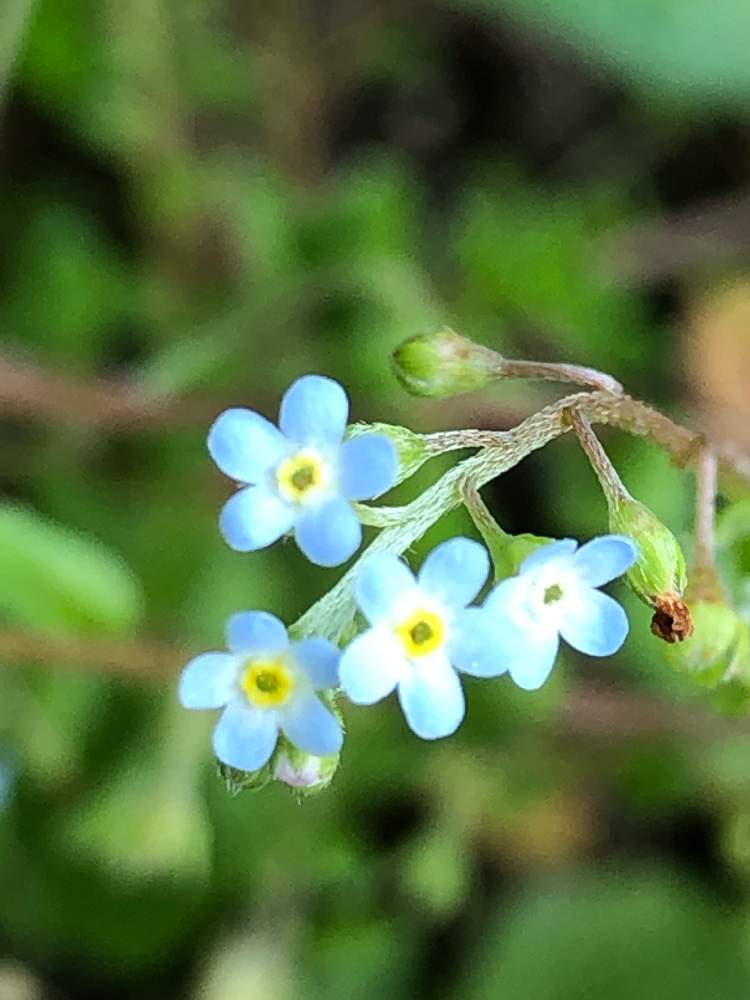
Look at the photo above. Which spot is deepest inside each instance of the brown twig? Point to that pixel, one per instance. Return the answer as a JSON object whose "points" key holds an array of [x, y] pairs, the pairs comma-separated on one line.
{"points": [[144, 660], [55, 397], [590, 711]]}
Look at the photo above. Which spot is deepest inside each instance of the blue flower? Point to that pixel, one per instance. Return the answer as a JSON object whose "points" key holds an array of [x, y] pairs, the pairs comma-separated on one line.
{"points": [[555, 595], [265, 684], [422, 632], [300, 477]]}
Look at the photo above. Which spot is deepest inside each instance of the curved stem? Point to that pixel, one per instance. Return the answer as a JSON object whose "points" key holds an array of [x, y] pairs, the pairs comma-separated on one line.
{"points": [[608, 476], [705, 507]]}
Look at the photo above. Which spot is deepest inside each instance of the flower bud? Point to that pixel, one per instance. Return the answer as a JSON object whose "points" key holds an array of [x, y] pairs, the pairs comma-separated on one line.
{"points": [[444, 364], [659, 575], [718, 646], [411, 448], [305, 773]]}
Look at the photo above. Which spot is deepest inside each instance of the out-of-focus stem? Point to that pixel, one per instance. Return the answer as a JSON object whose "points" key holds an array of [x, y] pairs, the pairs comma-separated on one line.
{"points": [[705, 508], [139, 661]]}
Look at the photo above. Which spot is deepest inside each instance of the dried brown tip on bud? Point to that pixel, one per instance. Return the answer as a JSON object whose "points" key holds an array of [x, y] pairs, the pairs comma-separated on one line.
{"points": [[672, 621]]}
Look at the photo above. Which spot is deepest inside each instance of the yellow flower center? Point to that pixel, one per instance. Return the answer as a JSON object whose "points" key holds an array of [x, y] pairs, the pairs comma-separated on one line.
{"points": [[301, 476], [267, 682], [422, 633]]}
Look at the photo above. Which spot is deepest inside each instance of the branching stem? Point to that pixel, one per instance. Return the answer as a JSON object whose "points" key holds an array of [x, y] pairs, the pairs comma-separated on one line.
{"points": [[500, 451]]}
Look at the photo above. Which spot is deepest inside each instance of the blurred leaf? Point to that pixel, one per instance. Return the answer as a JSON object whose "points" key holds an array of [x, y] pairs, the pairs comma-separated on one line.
{"points": [[437, 872], [686, 50], [69, 287], [530, 260], [61, 579], [641, 936]]}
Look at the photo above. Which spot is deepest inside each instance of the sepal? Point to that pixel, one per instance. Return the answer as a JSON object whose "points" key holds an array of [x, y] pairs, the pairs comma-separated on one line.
{"points": [[659, 574]]}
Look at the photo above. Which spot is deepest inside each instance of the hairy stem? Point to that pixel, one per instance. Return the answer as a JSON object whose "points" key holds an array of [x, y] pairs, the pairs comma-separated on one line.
{"points": [[501, 451], [608, 476], [558, 372]]}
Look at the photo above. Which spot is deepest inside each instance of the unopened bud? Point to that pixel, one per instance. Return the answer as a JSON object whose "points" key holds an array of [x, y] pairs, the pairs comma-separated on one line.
{"points": [[718, 646], [444, 364], [411, 448], [659, 574], [305, 773]]}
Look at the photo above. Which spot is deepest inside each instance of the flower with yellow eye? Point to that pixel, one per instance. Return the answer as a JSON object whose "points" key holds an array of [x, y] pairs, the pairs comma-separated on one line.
{"points": [[555, 594], [422, 633], [265, 685], [301, 477]]}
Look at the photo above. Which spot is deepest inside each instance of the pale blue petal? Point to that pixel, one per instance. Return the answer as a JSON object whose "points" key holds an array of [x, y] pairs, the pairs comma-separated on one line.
{"points": [[594, 624], [330, 534], [526, 644], [603, 559], [561, 550], [245, 737], [319, 658], [368, 466], [312, 727], [245, 445], [254, 518], [531, 658], [208, 681], [256, 632], [473, 646], [314, 410], [455, 571], [371, 666], [381, 581], [432, 699]]}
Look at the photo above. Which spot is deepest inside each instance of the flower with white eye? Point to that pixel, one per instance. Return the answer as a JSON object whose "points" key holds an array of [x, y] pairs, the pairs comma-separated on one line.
{"points": [[422, 633], [302, 476], [265, 685], [554, 595]]}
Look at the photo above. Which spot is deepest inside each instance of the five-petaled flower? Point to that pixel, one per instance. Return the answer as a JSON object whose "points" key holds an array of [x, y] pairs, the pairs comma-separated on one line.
{"points": [[555, 595], [265, 684], [422, 632], [300, 477]]}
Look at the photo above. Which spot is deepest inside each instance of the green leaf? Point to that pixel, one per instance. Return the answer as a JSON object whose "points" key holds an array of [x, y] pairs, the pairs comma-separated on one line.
{"points": [[636, 936], [690, 51], [57, 579]]}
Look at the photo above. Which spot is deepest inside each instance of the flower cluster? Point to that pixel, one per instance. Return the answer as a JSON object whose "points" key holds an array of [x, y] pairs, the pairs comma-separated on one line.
{"points": [[424, 631]]}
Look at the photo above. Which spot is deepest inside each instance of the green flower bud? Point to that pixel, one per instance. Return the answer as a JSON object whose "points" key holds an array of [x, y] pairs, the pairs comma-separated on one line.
{"points": [[719, 643], [411, 448], [305, 773], [444, 364], [659, 575]]}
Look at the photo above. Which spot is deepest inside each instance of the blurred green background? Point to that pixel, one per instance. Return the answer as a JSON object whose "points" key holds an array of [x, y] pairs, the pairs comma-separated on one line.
{"points": [[201, 200]]}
